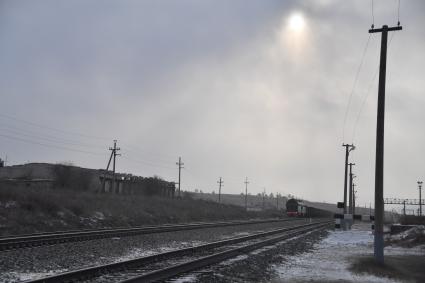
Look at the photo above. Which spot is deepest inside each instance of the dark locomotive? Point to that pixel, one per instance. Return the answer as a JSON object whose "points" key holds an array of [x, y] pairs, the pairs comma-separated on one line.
{"points": [[297, 208]]}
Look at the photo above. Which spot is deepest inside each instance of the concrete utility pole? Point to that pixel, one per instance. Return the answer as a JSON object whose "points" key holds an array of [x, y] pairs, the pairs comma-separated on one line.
{"points": [[350, 207], [246, 193], [420, 197], [352, 189], [114, 154], [354, 199], [220, 183], [348, 148], [180, 164], [379, 166], [264, 195]]}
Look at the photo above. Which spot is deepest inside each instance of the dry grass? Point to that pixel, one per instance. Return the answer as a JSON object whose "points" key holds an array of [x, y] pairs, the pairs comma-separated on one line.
{"points": [[29, 210], [409, 268]]}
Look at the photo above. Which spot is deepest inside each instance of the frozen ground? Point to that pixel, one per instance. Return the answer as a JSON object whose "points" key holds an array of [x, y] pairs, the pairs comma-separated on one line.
{"points": [[330, 258]]}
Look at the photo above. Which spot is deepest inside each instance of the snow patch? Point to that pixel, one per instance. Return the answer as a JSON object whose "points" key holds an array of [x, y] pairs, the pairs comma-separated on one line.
{"points": [[330, 259]]}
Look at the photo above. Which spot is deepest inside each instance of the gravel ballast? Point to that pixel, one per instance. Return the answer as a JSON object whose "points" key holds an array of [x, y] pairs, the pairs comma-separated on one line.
{"points": [[37, 262]]}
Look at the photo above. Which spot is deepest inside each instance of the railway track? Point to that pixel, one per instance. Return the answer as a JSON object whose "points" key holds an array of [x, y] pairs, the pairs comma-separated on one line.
{"points": [[10, 243], [170, 264]]}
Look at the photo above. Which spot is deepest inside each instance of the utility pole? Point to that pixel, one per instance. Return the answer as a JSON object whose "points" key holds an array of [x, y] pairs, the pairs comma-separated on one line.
{"points": [[379, 165], [114, 152], [350, 207], [420, 197], [246, 193], [348, 148], [180, 164], [404, 208], [220, 183], [352, 189], [264, 195], [354, 199], [277, 201]]}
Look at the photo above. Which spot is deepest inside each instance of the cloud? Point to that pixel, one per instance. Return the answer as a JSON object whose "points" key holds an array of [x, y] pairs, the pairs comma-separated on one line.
{"points": [[222, 84]]}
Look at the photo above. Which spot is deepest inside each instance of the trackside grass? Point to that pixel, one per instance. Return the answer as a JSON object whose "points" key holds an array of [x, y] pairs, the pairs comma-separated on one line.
{"points": [[29, 210]]}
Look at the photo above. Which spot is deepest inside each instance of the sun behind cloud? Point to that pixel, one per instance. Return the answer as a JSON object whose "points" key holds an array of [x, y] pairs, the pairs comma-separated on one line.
{"points": [[296, 22]]}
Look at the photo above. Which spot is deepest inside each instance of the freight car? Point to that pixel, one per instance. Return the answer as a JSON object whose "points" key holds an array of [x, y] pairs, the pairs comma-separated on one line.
{"points": [[297, 208]]}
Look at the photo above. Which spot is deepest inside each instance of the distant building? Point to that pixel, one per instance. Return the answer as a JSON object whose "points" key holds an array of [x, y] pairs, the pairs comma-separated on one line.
{"points": [[82, 179]]}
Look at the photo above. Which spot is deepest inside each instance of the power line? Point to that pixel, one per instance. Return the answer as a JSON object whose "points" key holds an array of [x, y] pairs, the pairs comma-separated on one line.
{"points": [[46, 138], [48, 145], [354, 86], [367, 95], [51, 128], [145, 162]]}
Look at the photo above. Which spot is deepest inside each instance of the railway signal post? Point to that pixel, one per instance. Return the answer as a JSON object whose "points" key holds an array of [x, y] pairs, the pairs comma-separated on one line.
{"points": [[379, 166]]}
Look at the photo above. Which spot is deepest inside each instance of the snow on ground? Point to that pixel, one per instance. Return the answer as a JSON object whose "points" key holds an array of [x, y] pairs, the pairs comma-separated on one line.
{"points": [[330, 259]]}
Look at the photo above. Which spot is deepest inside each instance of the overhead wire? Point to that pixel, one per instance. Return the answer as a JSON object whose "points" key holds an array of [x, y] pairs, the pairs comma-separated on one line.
{"points": [[124, 156], [52, 128], [367, 95], [49, 138], [354, 86], [48, 145], [59, 143], [398, 13]]}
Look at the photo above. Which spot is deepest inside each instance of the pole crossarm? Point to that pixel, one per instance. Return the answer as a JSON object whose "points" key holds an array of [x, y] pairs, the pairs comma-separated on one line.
{"points": [[403, 201], [382, 29]]}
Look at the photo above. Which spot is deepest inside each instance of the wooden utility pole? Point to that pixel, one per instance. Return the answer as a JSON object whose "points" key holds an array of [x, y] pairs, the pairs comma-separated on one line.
{"points": [[220, 183], [350, 206], [277, 201], [180, 164], [246, 193], [420, 197], [348, 148], [404, 208], [114, 152], [379, 165]]}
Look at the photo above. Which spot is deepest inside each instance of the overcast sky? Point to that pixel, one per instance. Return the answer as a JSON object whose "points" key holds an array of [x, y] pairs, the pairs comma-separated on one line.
{"points": [[255, 89]]}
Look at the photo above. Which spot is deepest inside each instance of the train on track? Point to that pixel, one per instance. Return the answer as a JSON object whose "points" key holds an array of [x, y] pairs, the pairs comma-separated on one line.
{"points": [[297, 208]]}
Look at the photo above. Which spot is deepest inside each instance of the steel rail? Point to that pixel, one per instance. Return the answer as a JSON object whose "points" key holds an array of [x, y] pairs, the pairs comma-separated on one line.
{"points": [[96, 271], [18, 242], [175, 270]]}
